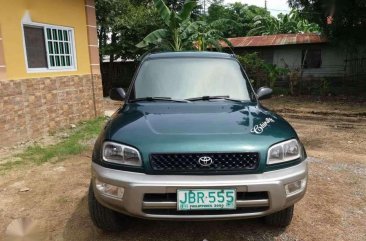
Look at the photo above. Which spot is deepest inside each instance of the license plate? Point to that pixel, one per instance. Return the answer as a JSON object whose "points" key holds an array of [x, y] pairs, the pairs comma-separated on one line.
{"points": [[206, 199]]}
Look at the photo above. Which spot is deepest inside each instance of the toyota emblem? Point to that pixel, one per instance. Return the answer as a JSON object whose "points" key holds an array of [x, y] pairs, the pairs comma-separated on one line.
{"points": [[205, 161]]}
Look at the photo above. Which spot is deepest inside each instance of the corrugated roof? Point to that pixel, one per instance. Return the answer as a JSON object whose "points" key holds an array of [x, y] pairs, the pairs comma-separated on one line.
{"points": [[275, 40]]}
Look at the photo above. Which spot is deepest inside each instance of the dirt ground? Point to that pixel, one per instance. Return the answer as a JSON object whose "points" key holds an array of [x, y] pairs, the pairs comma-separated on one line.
{"points": [[334, 208]]}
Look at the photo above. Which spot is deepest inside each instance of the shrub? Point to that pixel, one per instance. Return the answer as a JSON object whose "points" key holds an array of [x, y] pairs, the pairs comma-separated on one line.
{"points": [[261, 72]]}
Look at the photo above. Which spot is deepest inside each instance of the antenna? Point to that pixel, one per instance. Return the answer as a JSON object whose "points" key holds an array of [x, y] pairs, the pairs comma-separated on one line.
{"points": [[265, 4]]}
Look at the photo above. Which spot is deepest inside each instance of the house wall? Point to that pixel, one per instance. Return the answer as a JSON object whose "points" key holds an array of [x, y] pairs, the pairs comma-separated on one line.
{"points": [[33, 104], [2, 59], [333, 60], [67, 13]]}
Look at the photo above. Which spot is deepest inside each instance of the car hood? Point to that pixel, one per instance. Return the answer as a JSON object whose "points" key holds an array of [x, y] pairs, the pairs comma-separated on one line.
{"points": [[211, 126]]}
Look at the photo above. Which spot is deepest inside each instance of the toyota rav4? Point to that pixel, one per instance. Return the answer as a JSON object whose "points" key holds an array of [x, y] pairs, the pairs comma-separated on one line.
{"points": [[193, 142]]}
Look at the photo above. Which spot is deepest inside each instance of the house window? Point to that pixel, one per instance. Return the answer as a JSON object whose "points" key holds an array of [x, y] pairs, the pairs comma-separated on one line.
{"points": [[49, 47], [312, 58], [36, 48]]}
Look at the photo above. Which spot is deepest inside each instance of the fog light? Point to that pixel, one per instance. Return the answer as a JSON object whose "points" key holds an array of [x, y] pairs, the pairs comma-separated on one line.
{"points": [[295, 187], [109, 190]]}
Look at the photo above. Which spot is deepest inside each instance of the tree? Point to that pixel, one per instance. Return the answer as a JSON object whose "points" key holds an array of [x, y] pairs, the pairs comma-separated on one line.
{"points": [[181, 33], [205, 35], [174, 35], [264, 74], [284, 23], [121, 23], [241, 14], [177, 5], [343, 21]]}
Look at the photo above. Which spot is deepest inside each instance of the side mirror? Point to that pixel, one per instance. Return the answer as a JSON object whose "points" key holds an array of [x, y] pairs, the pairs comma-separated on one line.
{"points": [[264, 93], [117, 94]]}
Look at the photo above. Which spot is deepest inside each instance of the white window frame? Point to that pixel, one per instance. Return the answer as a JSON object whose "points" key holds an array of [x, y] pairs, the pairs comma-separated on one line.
{"points": [[71, 32]]}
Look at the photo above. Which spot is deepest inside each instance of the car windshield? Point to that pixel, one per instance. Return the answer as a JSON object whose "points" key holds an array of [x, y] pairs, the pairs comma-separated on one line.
{"points": [[187, 78]]}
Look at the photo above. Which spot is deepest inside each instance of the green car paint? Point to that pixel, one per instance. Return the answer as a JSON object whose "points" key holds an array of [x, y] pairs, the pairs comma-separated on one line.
{"points": [[191, 142], [197, 127]]}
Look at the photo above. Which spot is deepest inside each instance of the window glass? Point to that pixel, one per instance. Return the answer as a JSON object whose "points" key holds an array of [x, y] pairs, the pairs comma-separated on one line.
{"points": [[54, 34], [60, 35], [183, 78], [67, 51], [312, 58], [48, 47], [66, 36], [52, 61], [49, 35], [61, 47]]}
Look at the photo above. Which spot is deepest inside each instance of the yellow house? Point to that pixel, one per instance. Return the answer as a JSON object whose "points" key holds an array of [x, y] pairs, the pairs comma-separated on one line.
{"points": [[49, 66]]}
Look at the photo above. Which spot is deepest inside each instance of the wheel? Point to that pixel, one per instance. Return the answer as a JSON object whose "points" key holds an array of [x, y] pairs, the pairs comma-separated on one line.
{"points": [[102, 217], [280, 219]]}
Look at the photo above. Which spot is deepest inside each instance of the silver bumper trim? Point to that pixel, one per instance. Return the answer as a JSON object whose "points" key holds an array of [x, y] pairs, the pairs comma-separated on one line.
{"points": [[239, 204], [136, 185]]}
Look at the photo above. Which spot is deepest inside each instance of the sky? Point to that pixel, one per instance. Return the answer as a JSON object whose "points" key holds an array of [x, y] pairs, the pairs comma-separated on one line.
{"points": [[274, 6]]}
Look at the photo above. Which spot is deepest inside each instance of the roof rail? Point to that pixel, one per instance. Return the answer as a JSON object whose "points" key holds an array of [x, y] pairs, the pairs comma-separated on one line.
{"points": [[151, 51]]}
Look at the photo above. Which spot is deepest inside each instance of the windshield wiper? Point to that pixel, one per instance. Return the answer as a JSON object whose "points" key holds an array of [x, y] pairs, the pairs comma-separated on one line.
{"points": [[157, 99], [216, 97], [207, 97]]}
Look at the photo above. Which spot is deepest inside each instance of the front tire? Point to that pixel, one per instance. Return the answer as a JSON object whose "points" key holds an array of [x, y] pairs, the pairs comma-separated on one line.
{"points": [[102, 217], [280, 219]]}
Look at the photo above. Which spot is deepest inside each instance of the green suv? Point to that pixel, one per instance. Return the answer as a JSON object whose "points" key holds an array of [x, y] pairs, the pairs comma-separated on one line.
{"points": [[192, 142]]}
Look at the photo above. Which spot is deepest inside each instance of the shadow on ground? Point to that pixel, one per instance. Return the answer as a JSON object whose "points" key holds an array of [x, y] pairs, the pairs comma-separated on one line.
{"points": [[80, 227]]}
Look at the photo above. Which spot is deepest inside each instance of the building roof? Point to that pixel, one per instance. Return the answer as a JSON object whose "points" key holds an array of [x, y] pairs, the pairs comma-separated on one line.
{"points": [[189, 54], [276, 40]]}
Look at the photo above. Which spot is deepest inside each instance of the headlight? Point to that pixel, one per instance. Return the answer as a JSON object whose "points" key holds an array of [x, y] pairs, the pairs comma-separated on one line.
{"points": [[121, 154], [284, 152]]}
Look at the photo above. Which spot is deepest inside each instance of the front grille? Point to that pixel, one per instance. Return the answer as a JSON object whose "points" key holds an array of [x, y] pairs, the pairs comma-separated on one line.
{"points": [[189, 162]]}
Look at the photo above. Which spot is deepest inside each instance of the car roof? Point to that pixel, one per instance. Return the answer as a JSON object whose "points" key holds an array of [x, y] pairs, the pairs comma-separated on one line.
{"points": [[191, 54]]}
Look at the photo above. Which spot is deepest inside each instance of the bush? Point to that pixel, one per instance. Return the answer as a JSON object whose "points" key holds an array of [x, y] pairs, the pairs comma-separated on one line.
{"points": [[261, 72]]}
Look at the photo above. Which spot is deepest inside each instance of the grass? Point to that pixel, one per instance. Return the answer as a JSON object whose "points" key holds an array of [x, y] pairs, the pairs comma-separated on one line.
{"points": [[74, 144]]}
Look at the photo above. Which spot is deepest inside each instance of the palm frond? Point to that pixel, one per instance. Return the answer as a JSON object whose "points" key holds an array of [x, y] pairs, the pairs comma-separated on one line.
{"points": [[187, 8], [163, 10], [154, 37]]}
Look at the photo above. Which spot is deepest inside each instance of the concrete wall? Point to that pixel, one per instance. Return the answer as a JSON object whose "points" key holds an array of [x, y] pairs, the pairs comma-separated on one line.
{"points": [[333, 60], [33, 104], [31, 108], [67, 13]]}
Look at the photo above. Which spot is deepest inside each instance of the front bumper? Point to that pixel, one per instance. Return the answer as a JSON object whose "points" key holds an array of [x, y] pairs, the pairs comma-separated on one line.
{"points": [[136, 185]]}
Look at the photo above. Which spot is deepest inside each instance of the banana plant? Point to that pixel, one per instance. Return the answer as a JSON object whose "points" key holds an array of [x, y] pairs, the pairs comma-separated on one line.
{"points": [[285, 23], [205, 35], [171, 37]]}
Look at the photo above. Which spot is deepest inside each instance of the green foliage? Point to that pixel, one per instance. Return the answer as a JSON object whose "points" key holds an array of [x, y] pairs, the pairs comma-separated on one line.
{"points": [[181, 33], [121, 23], [180, 25], [324, 87], [257, 68], [173, 36], [251, 61], [205, 35], [319, 87], [241, 14], [284, 23], [177, 5], [74, 144], [281, 91], [273, 73], [349, 19]]}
